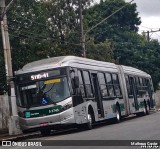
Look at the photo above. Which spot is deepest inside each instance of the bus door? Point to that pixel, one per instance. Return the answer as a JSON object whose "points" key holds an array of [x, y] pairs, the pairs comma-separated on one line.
{"points": [[134, 90], [98, 96]]}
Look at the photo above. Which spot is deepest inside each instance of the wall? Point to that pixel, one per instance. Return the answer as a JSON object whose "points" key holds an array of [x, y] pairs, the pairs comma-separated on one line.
{"points": [[4, 111], [157, 96]]}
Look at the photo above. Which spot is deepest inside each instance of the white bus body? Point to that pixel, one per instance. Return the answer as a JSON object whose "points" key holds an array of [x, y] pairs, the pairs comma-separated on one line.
{"points": [[105, 91]]}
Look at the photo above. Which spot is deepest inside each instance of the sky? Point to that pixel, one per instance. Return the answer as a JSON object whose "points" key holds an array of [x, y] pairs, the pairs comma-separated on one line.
{"points": [[149, 11]]}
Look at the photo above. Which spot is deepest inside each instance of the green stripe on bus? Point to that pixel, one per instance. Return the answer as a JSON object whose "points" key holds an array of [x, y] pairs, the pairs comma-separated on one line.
{"points": [[141, 104], [42, 112], [114, 107]]}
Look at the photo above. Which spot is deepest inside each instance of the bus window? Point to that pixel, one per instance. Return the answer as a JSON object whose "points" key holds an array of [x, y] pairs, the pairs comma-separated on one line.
{"points": [[130, 87], [137, 85], [102, 83], [116, 84], [87, 83], [140, 82], [110, 84], [81, 83]]}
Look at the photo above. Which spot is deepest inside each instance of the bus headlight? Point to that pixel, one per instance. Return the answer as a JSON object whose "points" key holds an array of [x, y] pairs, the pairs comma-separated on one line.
{"points": [[67, 106]]}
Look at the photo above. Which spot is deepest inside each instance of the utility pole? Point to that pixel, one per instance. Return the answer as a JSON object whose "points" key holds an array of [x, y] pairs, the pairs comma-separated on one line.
{"points": [[82, 37], [148, 32], [14, 128]]}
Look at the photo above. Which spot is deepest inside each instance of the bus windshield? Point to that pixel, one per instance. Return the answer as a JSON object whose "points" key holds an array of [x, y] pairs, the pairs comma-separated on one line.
{"points": [[42, 93]]}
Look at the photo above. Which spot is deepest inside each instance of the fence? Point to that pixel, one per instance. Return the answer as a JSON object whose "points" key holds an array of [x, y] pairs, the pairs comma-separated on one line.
{"points": [[4, 111]]}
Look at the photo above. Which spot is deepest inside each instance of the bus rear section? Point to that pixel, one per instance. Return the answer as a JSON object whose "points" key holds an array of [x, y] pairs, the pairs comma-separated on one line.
{"points": [[139, 92]]}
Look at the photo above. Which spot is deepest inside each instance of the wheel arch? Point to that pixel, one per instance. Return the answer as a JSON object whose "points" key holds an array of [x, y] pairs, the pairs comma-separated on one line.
{"points": [[90, 108]]}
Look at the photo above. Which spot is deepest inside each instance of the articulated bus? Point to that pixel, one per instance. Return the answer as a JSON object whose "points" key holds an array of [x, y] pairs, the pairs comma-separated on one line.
{"points": [[68, 90]]}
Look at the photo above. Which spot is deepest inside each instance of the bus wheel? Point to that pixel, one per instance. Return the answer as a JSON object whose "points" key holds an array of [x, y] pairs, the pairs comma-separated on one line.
{"points": [[45, 132], [118, 114], [88, 125]]}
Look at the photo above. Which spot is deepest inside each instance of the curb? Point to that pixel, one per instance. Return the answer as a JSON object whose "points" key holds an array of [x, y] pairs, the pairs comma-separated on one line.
{"points": [[20, 137]]}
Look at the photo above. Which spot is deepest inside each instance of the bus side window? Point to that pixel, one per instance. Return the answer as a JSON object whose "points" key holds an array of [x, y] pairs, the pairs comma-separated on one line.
{"points": [[110, 84], [116, 85], [88, 86], [102, 83], [130, 93], [144, 84], [81, 83], [137, 85]]}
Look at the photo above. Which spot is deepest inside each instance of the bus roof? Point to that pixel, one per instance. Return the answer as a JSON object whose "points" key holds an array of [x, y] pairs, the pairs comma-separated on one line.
{"points": [[62, 61], [134, 71], [78, 62]]}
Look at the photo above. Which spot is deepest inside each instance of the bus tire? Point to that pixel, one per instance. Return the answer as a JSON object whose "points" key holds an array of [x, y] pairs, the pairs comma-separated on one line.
{"points": [[89, 124], [45, 132], [118, 114]]}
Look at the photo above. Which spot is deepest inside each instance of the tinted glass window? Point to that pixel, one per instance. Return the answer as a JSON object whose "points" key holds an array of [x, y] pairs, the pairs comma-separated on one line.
{"points": [[101, 78], [87, 83], [108, 78], [86, 77], [129, 86], [117, 90], [81, 84], [115, 79], [102, 83], [80, 77], [42, 93], [111, 90], [116, 84]]}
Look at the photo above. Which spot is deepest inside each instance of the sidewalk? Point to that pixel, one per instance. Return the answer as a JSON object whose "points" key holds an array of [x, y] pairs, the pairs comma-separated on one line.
{"points": [[4, 135]]}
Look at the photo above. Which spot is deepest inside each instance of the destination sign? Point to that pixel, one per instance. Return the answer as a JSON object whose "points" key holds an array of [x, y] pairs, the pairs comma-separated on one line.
{"points": [[33, 76], [39, 76]]}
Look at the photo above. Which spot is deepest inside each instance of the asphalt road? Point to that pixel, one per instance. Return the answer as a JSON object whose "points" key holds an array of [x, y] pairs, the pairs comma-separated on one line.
{"points": [[132, 128]]}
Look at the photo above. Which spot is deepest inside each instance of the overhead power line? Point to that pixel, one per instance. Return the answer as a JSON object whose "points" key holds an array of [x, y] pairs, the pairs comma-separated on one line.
{"points": [[148, 33], [29, 20], [157, 35], [84, 35], [107, 17], [148, 27], [6, 9], [38, 37]]}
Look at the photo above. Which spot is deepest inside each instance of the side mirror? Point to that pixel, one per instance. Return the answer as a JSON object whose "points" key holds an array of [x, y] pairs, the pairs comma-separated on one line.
{"points": [[75, 82]]}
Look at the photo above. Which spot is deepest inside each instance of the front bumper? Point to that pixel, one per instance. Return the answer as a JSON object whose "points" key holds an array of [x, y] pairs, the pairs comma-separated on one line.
{"points": [[51, 121]]}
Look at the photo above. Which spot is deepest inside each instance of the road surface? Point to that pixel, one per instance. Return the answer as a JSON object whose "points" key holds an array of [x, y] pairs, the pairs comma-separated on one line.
{"points": [[132, 128]]}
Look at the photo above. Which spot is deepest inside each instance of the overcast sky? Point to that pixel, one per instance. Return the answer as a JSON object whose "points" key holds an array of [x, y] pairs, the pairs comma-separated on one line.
{"points": [[149, 11]]}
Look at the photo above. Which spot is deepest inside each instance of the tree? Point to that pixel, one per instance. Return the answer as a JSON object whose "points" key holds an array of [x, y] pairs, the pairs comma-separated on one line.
{"points": [[125, 20], [101, 51], [39, 29], [129, 48]]}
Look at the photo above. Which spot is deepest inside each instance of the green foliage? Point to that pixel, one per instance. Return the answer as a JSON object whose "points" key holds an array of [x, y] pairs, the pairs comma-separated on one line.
{"points": [[125, 20], [46, 28], [120, 30], [39, 29], [101, 51]]}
